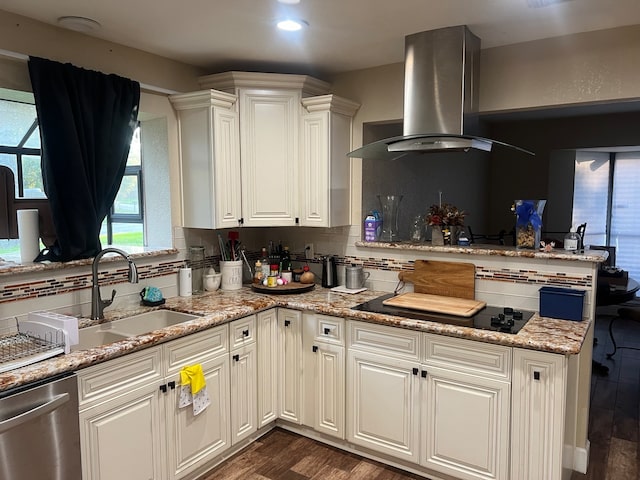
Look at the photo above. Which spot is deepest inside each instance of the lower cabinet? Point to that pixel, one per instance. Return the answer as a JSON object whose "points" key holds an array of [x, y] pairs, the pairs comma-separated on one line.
{"points": [[129, 416], [324, 374], [244, 411], [267, 368], [290, 365]]}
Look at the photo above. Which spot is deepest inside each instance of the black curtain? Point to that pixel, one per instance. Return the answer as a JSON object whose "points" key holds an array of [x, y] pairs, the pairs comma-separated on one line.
{"points": [[86, 123]]}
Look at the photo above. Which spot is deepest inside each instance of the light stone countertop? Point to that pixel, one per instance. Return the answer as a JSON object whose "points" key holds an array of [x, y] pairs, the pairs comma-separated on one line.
{"points": [[216, 308]]}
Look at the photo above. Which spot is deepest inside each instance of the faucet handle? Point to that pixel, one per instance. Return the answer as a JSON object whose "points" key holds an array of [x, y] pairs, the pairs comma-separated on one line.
{"points": [[106, 303]]}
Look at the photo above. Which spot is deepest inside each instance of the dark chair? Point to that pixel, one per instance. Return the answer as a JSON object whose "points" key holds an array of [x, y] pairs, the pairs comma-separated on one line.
{"points": [[630, 313], [498, 239]]}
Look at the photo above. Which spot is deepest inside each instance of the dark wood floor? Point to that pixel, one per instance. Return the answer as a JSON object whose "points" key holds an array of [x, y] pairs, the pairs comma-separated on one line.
{"points": [[615, 403], [613, 430], [282, 455]]}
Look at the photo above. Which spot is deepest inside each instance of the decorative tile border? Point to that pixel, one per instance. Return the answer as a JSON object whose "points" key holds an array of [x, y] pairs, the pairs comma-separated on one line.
{"points": [[533, 277], [54, 286]]}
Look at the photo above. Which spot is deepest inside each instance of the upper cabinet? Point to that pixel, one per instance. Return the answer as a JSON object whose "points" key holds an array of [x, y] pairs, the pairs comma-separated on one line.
{"points": [[209, 159], [325, 181], [293, 140]]}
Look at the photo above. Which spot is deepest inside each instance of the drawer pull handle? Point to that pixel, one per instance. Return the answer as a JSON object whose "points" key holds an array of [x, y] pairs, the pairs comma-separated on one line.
{"points": [[423, 373], [327, 330], [172, 385], [314, 348], [245, 333], [163, 388], [536, 375], [415, 371], [236, 357], [287, 323]]}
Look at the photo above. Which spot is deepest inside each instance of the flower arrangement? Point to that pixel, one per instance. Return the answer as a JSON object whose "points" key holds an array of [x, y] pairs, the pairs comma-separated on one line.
{"points": [[445, 215]]}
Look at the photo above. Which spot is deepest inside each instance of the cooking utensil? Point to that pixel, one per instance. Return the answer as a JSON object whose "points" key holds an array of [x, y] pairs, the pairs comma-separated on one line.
{"points": [[450, 279], [436, 303]]}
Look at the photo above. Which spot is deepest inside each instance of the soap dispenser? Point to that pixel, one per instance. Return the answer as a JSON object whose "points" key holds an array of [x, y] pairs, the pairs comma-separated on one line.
{"points": [[572, 240]]}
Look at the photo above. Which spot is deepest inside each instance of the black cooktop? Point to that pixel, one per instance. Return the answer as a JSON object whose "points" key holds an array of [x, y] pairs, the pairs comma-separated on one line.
{"points": [[498, 319]]}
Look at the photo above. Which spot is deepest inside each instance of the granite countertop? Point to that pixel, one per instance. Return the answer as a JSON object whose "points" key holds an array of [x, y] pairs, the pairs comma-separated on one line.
{"points": [[216, 308], [592, 256]]}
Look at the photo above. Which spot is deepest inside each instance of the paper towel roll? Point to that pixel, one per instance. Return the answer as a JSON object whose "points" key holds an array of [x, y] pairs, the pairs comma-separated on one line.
{"points": [[185, 282], [29, 235]]}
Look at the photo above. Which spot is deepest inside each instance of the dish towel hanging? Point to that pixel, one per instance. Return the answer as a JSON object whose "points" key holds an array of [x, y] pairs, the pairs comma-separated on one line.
{"points": [[193, 389]]}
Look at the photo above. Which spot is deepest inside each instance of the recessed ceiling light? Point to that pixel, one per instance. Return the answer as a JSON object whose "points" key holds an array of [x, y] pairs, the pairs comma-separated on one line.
{"points": [[289, 2], [79, 24], [292, 25], [543, 3]]}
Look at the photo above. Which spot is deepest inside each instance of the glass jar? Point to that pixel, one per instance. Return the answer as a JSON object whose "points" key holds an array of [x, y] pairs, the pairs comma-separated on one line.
{"points": [[196, 261], [529, 222]]}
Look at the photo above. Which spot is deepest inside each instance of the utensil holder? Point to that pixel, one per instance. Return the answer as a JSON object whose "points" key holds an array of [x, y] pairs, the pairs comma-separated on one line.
{"points": [[231, 271]]}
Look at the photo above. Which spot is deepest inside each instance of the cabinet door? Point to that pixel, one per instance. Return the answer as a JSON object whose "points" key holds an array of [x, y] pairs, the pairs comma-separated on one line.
{"points": [[267, 328], [465, 426], [269, 154], [328, 394], [124, 435], [195, 439], [290, 365], [382, 404], [538, 421], [209, 159], [243, 393]]}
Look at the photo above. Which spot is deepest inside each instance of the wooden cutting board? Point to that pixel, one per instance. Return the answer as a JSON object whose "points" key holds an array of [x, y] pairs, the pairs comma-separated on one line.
{"points": [[449, 279], [461, 307]]}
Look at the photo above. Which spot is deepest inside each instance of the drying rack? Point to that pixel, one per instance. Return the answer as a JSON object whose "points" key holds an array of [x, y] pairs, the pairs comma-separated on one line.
{"points": [[20, 346]]}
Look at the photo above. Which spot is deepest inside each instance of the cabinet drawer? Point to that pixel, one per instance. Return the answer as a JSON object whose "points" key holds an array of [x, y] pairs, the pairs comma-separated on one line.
{"points": [[196, 348], [468, 356], [116, 377], [395, 341], [243, 331], [328, 329]]}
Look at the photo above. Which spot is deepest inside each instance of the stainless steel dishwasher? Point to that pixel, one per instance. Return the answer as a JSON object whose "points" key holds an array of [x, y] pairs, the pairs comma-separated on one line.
{"points": [[39, 432]]}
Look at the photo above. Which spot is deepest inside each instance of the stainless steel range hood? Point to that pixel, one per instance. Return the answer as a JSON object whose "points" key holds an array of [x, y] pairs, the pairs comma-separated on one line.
{"points": [[440, 97]]}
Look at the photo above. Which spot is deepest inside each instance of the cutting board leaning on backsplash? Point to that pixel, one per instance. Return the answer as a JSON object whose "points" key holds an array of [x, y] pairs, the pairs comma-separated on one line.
{"points": [[442, 287]]}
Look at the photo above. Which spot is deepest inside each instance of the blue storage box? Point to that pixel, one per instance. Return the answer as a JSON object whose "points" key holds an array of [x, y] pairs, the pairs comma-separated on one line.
{"points": [[564, 303]]}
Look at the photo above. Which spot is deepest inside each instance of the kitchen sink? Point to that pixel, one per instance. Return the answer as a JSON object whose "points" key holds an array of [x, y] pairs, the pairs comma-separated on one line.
{"points": [[123, 328]]}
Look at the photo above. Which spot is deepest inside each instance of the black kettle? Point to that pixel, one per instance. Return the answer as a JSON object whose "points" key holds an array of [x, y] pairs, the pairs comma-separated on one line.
{"points": [[329, 272]]}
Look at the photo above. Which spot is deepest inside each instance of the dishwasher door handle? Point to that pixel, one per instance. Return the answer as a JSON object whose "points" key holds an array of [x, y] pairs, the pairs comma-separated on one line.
{"points": [[43, 409]]}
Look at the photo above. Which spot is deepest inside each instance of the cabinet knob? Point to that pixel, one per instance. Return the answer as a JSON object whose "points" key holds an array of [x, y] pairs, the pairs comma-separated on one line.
{"points": [[245, 333], [236, 357], [241, 220], [163, 388], [172, 385], [536, 375], [423, 373], [287, 323], [415, 371], [327, 331], [314, 348]]}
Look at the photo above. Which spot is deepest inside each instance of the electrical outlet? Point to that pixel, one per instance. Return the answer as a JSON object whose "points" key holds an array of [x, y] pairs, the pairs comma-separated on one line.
{"points": [[308, 251]]}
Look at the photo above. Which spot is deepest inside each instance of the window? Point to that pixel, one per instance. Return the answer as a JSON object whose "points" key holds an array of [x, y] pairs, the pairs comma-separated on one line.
{"points": [[20, 150], [606, 196]]}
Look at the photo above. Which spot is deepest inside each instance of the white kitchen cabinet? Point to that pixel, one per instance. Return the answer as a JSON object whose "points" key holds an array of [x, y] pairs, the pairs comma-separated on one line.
{"points": [[325, 181], [324, 374], [267, 385], [537, 431], [383, 390], [209, 159], [294, 139], [244, 413], [129, 415], [290, 365], [465, 425]]}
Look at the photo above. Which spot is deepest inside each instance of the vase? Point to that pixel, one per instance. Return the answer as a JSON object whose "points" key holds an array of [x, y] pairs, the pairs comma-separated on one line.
{"points": [[437, 236], [529, 223], [390, 205]]}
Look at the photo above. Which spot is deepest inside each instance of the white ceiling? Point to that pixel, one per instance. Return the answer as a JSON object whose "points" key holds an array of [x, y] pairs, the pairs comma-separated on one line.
{"points": [[343, 35]]}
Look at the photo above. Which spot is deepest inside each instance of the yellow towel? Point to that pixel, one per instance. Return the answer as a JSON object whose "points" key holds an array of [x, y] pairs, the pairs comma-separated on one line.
{"points": [[193, 375], [193, 390]]}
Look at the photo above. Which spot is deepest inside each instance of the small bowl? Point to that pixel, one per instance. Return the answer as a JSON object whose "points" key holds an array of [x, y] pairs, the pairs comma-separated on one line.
{"points": [[212, 282]]}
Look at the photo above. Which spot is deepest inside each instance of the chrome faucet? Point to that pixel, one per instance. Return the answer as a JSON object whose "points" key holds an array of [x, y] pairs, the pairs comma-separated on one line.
{"points": [[97, 304]]}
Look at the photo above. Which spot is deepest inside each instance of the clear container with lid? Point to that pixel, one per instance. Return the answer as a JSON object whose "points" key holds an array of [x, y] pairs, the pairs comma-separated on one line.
{"points": [[196, 261], [572, 240]]}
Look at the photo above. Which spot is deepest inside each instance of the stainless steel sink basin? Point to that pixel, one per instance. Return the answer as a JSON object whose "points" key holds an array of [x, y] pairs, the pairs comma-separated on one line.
{"points": [[123, 328]]}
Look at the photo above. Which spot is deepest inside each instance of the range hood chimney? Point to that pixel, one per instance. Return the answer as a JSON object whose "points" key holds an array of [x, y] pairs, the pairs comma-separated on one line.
{"points": [[440, 97]]}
